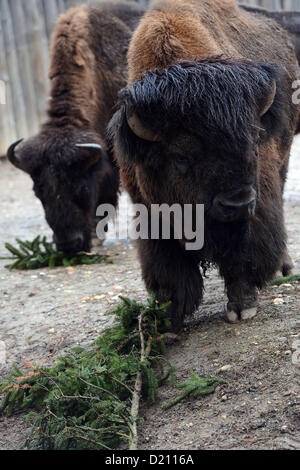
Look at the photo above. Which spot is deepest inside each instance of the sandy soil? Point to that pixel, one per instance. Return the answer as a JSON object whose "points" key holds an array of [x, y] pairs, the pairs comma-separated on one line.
{"points": [[45, 312]]}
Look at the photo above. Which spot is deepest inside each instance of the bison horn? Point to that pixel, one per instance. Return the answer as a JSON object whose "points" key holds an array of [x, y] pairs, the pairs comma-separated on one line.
{"points": [[89, 146], [270, 100], [139, 129], [11, 155], [95, 154]]}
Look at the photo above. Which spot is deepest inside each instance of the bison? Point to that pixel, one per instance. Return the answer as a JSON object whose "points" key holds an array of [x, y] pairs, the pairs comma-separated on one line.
{"points": [[71, 168], [289, 20], [207, 118]]}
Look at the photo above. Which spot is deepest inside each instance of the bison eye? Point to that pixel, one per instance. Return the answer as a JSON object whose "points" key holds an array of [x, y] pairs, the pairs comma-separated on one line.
{"points": [[181, 162], [83, 196], [84, 192]]}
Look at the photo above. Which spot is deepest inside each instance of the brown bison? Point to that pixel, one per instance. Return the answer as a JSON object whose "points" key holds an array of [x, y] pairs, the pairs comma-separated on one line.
{"points": [[289, 20], [208, 118], [71, 168]]}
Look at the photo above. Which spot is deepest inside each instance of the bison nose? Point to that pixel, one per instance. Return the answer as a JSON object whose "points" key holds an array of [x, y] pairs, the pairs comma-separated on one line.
{"points": [[71, 244], [235, 205]]}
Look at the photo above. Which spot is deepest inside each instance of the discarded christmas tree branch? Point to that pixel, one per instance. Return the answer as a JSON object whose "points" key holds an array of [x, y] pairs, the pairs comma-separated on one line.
{"points": [[91, 398], [40, 254], [195, 386], [135, 406], [285, 280]]}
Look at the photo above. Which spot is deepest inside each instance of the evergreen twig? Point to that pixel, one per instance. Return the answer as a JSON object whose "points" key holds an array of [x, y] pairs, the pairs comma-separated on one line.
{"points": [[286, 280], [195, 386], [40, 254]]}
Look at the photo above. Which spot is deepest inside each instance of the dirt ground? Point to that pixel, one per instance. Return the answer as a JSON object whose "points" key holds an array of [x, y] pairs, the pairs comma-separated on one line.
{"points": [[42, 313]]}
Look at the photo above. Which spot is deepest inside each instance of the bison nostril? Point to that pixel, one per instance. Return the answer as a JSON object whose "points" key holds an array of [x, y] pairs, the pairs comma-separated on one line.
{"points": [[235, 205], [78, 239], [71, 244]]}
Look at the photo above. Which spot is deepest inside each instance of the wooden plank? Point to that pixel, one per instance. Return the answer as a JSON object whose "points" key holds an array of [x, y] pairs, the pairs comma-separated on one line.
{"points": [[23, 57], [61, 6], [14, 71], [291, 4], [274, 4], [50, 13], [39, 54], [7, 120]]}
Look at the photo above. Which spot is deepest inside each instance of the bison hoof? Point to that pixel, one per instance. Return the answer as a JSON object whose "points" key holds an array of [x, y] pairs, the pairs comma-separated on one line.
{"points": [[247, 314], [232, 317]]}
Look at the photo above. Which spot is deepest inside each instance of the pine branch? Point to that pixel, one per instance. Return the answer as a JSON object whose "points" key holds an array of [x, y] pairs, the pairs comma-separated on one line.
{"points": [[40, 254], [286, 280], [195, 386], [90, 399]]}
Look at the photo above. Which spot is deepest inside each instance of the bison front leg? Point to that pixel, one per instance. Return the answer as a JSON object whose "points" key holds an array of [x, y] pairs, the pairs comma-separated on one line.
{"points": [[243, 300], [173, 275]]}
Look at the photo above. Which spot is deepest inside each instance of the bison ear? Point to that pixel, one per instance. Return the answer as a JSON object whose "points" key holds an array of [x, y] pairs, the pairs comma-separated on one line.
{"points": [[268, 99], [139, 129], [12, 157], [96, 152]]}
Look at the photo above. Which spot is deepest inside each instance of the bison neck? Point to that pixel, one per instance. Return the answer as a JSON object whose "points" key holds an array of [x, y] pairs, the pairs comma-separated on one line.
{"points": [[70, 102], [76, 88]]}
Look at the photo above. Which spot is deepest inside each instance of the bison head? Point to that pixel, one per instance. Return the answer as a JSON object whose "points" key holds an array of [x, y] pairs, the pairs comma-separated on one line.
{"points": [[67, 172], [193, 133]]}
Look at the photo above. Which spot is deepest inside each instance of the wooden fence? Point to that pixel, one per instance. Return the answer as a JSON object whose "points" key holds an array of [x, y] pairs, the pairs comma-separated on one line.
{"points": [[275, 4], [25, 30]]}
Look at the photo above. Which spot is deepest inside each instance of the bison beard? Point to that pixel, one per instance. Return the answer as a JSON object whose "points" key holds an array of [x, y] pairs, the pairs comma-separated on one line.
{"points": [[216, 101]]}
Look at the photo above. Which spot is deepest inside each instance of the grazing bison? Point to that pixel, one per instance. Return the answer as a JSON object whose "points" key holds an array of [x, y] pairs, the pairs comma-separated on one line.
{"points": [[208, 118], [69, 164]]}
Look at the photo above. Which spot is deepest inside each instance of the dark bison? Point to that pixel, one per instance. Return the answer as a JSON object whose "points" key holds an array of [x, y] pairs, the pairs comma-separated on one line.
{"points": [[195, 127], [71, 168]]}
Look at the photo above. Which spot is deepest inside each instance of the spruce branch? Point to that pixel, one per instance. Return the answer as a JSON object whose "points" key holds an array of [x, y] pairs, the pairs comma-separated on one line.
{"points": [[194, 386], [40, 254], [91, 398], [285, 280]]}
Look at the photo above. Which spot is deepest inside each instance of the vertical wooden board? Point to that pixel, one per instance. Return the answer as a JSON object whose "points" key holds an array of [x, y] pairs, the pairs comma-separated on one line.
{"points": [[7, 120], [51, 13], [73, 3], [61, 6], [274, 4], [15, 74], [23, 57], [39, 54], [291, 4]]}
